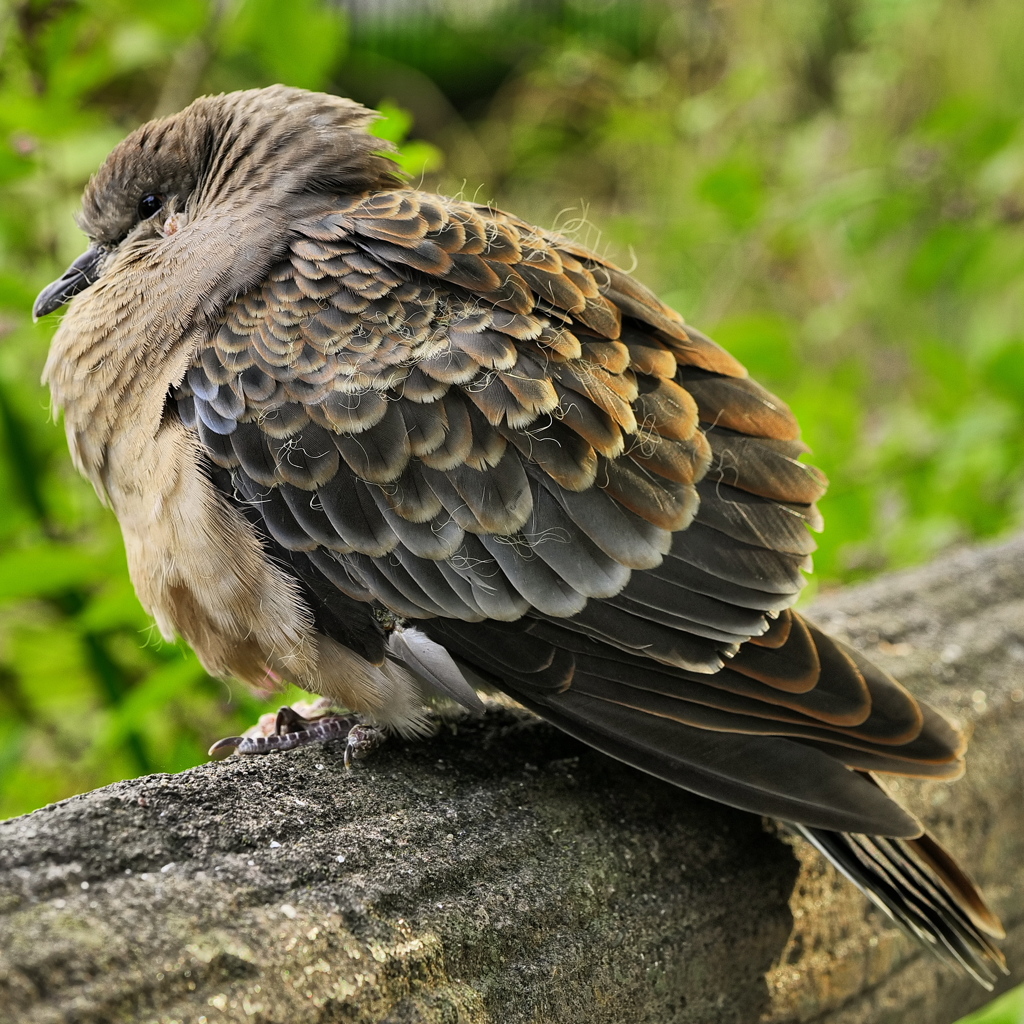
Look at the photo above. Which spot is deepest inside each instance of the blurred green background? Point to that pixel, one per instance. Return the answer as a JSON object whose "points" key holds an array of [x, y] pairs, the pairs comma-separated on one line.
{"points": [[832, 188]]}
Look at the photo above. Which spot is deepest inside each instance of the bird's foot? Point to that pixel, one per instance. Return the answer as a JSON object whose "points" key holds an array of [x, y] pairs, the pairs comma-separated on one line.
{"points": [[362, 740], [298, 725]]}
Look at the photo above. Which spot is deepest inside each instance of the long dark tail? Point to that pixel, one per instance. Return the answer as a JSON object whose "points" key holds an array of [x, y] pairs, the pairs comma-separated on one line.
{"points": [[922, 888]]}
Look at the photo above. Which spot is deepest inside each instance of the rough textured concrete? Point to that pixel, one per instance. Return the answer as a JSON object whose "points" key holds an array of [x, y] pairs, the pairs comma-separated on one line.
{"points": [[502, 873]]}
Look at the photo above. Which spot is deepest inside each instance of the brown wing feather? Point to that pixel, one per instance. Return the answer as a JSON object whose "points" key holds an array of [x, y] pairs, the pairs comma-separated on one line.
{"points": [[486, 427]]}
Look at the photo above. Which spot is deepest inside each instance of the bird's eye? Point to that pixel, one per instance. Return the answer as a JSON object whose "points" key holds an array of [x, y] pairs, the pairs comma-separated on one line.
{"points": [[148, 205]]}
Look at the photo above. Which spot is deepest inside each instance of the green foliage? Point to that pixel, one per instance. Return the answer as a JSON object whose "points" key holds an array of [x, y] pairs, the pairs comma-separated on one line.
{"points": [[1008, 1009], [296, 43], [417, 157]]}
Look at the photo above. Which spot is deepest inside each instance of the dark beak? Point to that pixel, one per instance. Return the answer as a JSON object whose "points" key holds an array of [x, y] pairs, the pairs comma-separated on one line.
{"points": [[76, 278]]}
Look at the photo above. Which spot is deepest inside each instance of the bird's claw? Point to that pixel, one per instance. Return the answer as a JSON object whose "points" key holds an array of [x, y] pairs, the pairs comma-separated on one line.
{"points": [[362, 740], [289, 729], [225, 747]]}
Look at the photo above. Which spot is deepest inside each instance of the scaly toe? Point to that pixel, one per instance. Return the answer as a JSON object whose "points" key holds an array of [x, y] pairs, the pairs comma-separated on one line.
{"points": [[362, 740]]}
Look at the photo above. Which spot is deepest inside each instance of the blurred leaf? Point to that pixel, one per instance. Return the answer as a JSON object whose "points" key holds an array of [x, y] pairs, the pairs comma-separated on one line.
{"points": [[943, 256], [115, 606], [1004, 372], [1007, 1009], [418, 158], [297, 43], [47, 569], [734, 186], [159, 690], [415, 158], [763, 342], [393, 124]]}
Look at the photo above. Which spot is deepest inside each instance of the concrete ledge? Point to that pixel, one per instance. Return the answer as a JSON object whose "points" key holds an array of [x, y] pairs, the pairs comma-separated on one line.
{"points": [[500, 872]]}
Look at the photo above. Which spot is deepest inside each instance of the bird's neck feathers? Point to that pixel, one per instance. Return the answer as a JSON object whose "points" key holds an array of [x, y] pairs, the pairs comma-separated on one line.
{"points": [[279, 144], [257, 171], [129, 338]]}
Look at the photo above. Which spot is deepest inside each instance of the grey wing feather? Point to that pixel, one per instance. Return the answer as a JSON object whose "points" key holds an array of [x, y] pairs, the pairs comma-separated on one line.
{"points": [[432, 663], [580, 498]]}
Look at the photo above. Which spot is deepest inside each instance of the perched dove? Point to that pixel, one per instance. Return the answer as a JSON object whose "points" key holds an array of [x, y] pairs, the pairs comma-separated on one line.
{"points": [[387, 444]]}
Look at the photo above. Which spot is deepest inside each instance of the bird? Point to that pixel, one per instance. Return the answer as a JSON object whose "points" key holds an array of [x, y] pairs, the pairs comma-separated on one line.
{"points": [[397, 447]]}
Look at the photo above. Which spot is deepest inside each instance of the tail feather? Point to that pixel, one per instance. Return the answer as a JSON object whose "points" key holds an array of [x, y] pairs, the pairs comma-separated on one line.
{"points": [[941, 862], [917, 884]]}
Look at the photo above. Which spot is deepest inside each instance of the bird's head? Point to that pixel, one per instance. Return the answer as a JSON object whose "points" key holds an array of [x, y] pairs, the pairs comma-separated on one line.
{"points": [[263, 152]]}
